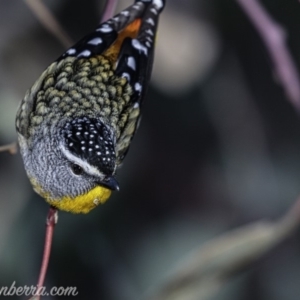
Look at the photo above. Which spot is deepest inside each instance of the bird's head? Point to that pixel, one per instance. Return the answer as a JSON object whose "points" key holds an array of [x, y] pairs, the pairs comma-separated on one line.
{"points": [[72, 165]]}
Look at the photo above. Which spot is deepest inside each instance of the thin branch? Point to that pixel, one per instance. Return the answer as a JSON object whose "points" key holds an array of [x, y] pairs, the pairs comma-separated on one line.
{"points": [[110, 8], [45, 16], [11, 148], [205, 271], [51, 221], [273, 36]]}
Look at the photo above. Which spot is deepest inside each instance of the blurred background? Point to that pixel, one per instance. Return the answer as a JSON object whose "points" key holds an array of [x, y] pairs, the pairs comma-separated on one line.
{"points": [[218, 147]]}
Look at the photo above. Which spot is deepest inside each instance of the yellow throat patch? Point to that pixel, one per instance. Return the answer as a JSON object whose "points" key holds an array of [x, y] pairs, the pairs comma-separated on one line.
{"points": [[82, 203]]}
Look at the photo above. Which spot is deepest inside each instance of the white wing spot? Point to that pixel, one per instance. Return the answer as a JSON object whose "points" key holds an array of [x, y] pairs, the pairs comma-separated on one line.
{"points": [[96, 41], [137, 45], [136, 105], [153, 10], [126, 75], [138, 87], [85, 53], [150, 21], [150, 32], [148, 44], [158, 3], [125, 13], [71, 51], [105, 29], [136, 6], [131, 63]]}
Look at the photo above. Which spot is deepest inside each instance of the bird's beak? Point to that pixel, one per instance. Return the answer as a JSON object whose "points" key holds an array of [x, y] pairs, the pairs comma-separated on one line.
{"points": [[110, 183]]}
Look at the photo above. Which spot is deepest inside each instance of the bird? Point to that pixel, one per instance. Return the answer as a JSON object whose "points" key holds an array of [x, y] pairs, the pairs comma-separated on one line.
{"points": [[76, 123]]}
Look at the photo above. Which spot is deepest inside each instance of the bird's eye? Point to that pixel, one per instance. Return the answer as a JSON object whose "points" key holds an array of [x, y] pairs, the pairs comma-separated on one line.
{"points": [[77, 170]]}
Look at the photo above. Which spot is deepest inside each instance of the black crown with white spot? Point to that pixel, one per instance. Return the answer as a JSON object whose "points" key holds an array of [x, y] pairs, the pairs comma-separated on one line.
{"points": [[90, 140]]}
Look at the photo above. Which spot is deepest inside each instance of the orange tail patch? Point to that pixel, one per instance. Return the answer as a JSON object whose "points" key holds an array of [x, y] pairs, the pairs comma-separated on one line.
{"points": [[130, 31]]}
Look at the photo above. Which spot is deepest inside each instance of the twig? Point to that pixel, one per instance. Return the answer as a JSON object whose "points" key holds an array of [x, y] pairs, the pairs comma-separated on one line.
{"points": [[110, 8], [49, 22], [11, 148], [205, 271], [51, 221], [273, 36]]}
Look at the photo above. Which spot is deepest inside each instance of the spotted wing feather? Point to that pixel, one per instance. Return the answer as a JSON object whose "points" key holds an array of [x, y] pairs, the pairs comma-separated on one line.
{"points": [[106, 34], [135, 63]]}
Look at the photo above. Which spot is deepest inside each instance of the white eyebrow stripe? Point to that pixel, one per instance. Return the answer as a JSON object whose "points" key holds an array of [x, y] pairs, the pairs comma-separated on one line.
{"points": [[82, 163]]}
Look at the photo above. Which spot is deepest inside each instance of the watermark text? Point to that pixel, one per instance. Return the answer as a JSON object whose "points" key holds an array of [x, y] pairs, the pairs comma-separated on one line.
{"points": [[32, 290]]}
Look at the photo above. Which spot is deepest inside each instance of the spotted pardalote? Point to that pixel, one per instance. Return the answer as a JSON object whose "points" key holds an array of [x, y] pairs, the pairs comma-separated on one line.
{"points": [[76, 122]]}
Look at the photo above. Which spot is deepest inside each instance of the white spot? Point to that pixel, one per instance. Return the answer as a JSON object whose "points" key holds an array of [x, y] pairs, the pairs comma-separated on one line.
{"points": [[126, 75], [77, 133], [97, 146], [85, 53], [82, 148], [108, 159], [150, 21], [148, 44], [138, 87], [98, 153], [91, 135], [105, 29], [71, 144], [86, 133], [103, 158], [149, 39], [125, 13], [137, 45], [150, 32], [153, 10], [95, 41], [90, 149], [71, 51], [82, 142], [107, 152], [136, 105], [136, 6], [159, 3], [131, 63], [91, 142], [96, 201]]}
